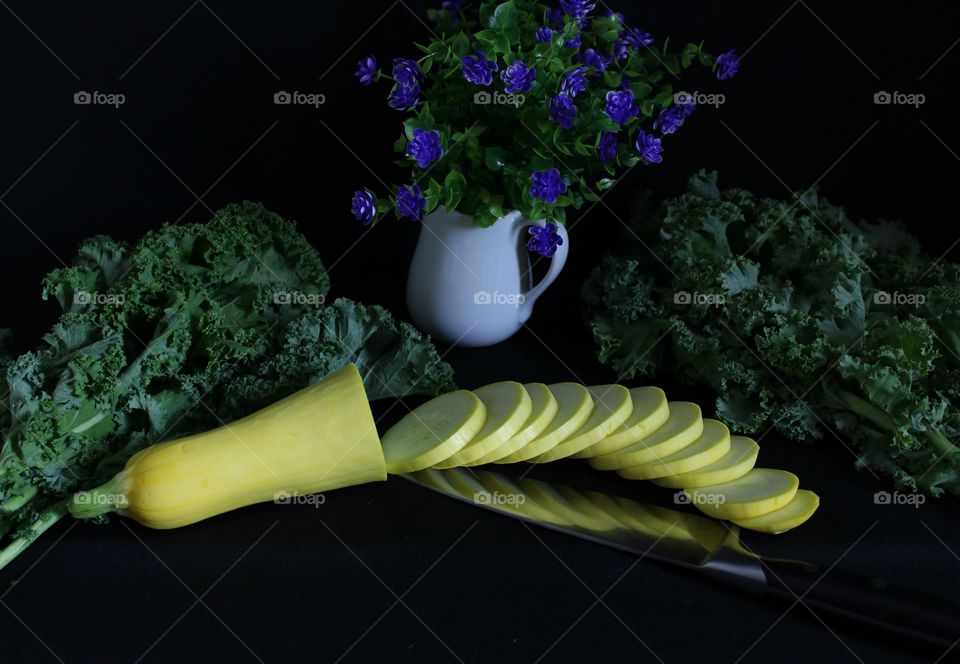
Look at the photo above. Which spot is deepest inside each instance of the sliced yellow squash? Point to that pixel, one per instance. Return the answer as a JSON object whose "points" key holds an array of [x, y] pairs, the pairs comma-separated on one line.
{"points": [[759, 492], [574, 408], [548, 497], [650, 412], [544, 409], [737, 462], [791, 515], [684, 426], [508, 407], [612, 405], [712, 445], [434, 478], [506, 494], [433, 431]]}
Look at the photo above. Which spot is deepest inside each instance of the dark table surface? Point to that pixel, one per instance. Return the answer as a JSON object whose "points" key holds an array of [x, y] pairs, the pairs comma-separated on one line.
{"points": [[393, 572]]}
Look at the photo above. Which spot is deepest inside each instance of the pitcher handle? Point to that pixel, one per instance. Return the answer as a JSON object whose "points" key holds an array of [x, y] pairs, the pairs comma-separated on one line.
{"points": [[556, 265]]}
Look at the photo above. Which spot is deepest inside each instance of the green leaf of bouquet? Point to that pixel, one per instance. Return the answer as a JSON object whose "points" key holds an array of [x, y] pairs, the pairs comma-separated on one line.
{"points": [[433, 194], [453, 185], [460, 44], [494, 158], [665, 98], [612, 79], [504, 16]]}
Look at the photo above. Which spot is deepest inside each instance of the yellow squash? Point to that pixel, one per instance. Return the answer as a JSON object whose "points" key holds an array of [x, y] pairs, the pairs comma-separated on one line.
{"points": [[318, 439]]}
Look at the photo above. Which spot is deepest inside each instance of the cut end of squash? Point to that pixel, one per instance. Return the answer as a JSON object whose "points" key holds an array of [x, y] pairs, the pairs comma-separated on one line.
{"points": [[433, 432]]}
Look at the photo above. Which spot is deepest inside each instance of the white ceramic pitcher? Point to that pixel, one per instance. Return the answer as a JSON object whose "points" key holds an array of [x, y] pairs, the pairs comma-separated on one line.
{"points": [[472, 286]]}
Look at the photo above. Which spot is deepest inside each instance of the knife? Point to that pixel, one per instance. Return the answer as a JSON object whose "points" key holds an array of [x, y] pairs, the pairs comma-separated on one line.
{"points": [[703, 545]]}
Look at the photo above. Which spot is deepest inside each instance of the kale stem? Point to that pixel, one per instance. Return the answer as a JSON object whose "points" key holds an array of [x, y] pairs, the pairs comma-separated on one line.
{"points": [[14, 503], [864, 408], [941, 443], [92, 422], [41, 524]]}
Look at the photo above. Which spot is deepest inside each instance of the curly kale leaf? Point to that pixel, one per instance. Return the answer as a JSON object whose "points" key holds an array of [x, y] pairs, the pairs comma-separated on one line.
{"points": [[798, 319], [193, 326], [394, 360]]}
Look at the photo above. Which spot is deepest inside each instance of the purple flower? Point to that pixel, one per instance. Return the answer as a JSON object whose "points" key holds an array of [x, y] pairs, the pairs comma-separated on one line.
{"points": [[617, 16], [607, 147], [728, 64], [649, 147], [454, 8], [687, 108], [578, 9], [554, 16], [547, 185], [366, 70], [479, 70], [563, 111], [637, 37], [670, 119], [620, 106], [363, 207], [574, 82], [406, 72], [544, 240], [621, 49], [410, 202], [573, 42], [593, 59], [406, 91], [425, 147], [544, 35], [404, 96], [518, 77]]}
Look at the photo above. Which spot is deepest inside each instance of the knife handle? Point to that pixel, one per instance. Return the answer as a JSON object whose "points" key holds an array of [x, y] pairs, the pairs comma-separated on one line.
{"points": [[870, 602]]}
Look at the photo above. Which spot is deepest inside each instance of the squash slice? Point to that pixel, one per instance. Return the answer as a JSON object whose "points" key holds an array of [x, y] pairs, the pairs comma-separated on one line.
{"points": [[508, 407], [611, 407], [433, 431], [650, 412], [543, 409], [684, 426], [737, 462], [712, 445], [574, 408]]}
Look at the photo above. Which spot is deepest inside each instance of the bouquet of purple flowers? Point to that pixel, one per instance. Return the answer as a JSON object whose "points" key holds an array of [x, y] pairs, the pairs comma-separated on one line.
{"points": [[521, 106]]}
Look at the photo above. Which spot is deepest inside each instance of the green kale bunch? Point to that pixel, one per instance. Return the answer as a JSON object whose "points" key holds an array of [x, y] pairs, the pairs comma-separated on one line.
{"points": [[799, 319], [194, 326]]}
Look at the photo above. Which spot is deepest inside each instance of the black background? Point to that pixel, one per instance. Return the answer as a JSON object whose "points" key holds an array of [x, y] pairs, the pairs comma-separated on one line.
{"points": [[199, 121]]}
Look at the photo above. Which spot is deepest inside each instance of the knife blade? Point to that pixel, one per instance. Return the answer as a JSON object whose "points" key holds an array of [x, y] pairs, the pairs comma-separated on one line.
{"points": [[703, 545]]}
